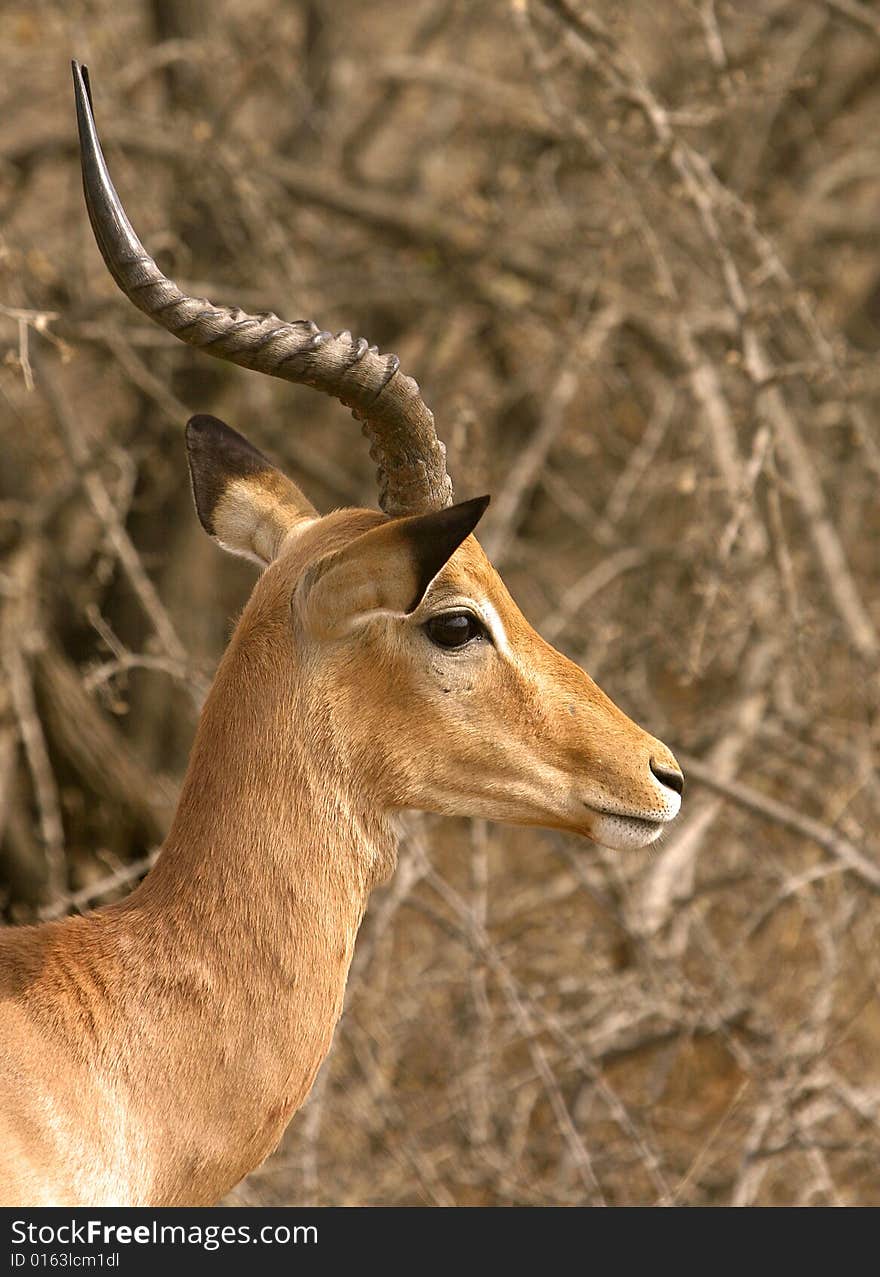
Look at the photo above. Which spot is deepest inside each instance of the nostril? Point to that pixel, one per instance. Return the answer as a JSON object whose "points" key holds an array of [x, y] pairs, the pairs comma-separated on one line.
{"points": [[668, 776]]}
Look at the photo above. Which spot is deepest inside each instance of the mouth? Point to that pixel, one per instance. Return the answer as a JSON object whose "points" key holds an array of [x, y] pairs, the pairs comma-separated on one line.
{"points": [[624, 833]]}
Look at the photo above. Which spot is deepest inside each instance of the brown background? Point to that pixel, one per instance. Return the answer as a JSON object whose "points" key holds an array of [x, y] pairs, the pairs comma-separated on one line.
{"points": [[631, 254]]}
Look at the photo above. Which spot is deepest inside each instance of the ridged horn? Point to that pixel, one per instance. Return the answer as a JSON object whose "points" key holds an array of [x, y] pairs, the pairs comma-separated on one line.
{"points": [[410, 459]]}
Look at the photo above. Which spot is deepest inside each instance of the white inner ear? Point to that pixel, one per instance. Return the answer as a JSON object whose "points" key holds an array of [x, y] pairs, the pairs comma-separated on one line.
{"points": [[274, 532], [241, 553], [251, 522]]}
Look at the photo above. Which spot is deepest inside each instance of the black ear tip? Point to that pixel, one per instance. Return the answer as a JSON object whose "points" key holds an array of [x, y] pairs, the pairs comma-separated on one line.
{"points": [[207, 433], [218, 454], [202, 427], [436, 536], [203, 434], [468, 513]]}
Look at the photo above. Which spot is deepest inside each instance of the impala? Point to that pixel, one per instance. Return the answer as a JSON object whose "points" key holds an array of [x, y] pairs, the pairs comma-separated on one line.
{"points": [[153, 1051]]}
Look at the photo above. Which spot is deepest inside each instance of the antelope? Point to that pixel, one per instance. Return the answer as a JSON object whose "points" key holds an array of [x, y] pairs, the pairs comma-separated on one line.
{"points": [[153, 1051]]}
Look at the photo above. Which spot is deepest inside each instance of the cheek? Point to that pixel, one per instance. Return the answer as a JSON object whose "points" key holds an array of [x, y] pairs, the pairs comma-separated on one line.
{"points": [[420, 688], [431, 701], [453, 688], [458, 680]]}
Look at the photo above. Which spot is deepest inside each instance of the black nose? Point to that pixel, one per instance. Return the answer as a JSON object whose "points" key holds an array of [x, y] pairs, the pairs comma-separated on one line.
{"points": [[667, 776]]}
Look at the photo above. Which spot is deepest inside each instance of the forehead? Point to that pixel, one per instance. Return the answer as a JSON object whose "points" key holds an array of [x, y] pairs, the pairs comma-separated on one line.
{"points": [[469, 566], [470, 576], [467, 575], [468, 572], [325, 535]]}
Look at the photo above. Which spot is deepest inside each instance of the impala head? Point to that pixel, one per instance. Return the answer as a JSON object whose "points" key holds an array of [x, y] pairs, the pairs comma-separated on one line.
{"points": [[433, 677]]}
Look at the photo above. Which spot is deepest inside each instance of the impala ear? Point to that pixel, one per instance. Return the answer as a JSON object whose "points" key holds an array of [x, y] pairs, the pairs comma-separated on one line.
{"points": [[242, 500], [387, 569]]}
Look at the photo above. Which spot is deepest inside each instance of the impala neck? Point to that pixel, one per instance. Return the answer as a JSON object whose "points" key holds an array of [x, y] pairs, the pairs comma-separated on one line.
{"points": [[251, 914]]}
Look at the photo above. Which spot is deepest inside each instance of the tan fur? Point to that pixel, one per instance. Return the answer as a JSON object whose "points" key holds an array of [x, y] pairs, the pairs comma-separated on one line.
{"points": [[154, 1051]]}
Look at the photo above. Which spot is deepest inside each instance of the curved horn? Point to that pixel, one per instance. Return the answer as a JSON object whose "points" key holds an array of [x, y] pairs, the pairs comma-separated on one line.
{"points": [[410, 458]]}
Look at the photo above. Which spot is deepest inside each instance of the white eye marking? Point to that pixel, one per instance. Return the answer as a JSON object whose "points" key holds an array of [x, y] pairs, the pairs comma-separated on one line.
{"points": [[493, 624]]}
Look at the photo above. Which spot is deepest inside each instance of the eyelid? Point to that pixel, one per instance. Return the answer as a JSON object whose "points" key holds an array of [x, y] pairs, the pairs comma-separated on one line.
{"points": [[445, 606]]}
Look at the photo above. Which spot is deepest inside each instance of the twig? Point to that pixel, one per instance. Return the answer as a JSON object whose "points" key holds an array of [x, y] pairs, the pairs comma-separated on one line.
{"points": [[670, 876], [778, 813], [39, 320], [700, 183], [520, 481], [18, 628], [122, 877], [859, 14], [102, 504]]}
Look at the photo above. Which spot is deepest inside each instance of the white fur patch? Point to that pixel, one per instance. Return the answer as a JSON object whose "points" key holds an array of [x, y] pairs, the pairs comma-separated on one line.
{"points": [[494, 625], [250, 521]]}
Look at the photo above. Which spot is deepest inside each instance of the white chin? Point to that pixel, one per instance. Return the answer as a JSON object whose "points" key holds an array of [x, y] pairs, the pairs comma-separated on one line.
{"points": [[623, 833]]}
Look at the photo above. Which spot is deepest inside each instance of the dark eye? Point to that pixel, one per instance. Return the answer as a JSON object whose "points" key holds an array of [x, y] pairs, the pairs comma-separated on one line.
{"points": [[454, 629]]}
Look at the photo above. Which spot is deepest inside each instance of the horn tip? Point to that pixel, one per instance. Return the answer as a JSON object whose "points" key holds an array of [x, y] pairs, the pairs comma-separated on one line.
{"points": [[82, 87]]}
